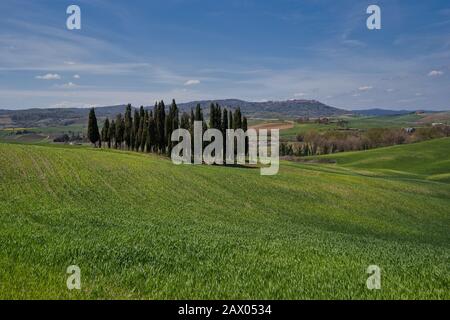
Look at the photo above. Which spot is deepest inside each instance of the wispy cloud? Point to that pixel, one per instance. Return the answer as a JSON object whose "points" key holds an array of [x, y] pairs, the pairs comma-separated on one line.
{"points": [[69, 85], [435, 73], [49, 76], [191, 82]]}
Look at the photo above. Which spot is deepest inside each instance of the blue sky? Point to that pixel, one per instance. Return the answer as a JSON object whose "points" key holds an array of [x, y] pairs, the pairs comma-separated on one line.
{"points": [[140, 51]]}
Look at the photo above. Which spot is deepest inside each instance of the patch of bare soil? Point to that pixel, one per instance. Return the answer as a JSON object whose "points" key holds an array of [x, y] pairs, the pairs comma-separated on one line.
{"points": [[437, 117], [5, 121]]}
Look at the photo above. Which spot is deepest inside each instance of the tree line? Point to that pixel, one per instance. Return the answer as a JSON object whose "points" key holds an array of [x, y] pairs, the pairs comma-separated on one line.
{"points": [[151, 130]]}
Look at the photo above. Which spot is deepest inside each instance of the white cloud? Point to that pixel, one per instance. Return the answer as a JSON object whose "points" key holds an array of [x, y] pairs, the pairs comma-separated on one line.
{"points": [[49, 76], [365, 88], [191, 82], [76, 76], [68, 85], [435, 73], [300, 94], [390, 90]]}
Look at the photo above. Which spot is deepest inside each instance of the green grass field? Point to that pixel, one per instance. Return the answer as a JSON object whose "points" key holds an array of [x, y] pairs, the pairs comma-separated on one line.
{"points": [[301, 128], [140, 227], [394, 121], [428, 160]]}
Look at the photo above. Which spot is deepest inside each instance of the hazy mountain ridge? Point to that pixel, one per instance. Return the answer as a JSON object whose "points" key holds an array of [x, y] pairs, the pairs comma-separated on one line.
{"points": [[53, 116], [267, 110], [272, 109], [381, 112]]}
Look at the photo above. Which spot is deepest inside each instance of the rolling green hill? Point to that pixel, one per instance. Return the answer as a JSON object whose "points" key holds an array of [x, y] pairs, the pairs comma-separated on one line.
{"points": [[140, 227], [429, 160]]}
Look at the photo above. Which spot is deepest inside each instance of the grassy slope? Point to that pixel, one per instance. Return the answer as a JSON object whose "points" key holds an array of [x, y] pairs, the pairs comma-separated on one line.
{"points": [[141, 227], [429, 160]]}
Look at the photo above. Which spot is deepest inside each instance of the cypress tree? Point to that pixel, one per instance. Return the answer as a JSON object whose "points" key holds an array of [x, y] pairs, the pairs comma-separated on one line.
{"points": [[156, 117], [167, 125], [148, 144], [185, 121], [139, 132], [160, 126], [215, 116], [105, 132], [212, 115], [192, 121], [245, 128], [218, 117], [171, 124], [93, 133], [120, 127], [244, 124], [112, 134], [139, 128], [163, 122], [224, 121], [175, 116], [128, 123], [134, 129], [144, 131], [151, 133], [102, 132], [224, 131], [237, 120], [198, 113], [122, 131], [198, 116]]}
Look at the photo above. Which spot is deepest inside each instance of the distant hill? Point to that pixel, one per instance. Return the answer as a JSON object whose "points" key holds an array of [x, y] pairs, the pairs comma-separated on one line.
{"points": [[381, 112], [272, 109], [266, 110], [53, 117]]}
